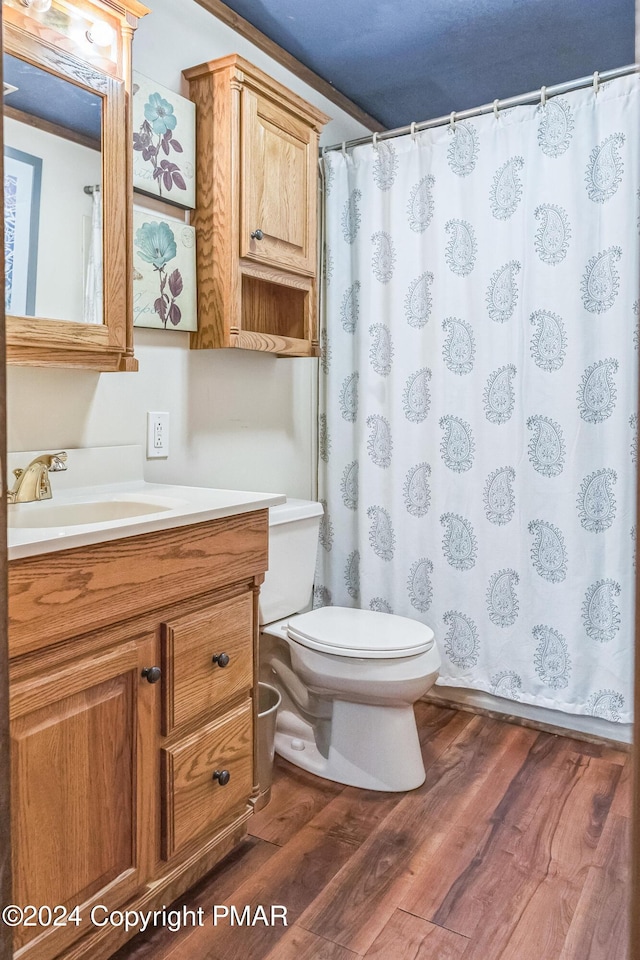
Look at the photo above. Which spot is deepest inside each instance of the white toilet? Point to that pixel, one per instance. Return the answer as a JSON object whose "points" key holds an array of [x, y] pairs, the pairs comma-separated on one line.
{"points": [[348, 678]]}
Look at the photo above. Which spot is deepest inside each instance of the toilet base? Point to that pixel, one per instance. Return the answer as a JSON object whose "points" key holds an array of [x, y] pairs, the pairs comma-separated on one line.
{"points": [[389, 760]]}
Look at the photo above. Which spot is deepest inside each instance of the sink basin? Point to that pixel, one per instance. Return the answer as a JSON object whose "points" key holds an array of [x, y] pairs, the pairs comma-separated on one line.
{"points": [[49, 514], [103, 496]]}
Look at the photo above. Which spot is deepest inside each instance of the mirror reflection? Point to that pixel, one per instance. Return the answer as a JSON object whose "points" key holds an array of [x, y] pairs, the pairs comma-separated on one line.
{"points": [[52, 196]]}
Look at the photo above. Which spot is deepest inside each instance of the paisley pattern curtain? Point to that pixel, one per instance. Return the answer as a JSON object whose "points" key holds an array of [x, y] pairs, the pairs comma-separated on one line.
{"points": [[478, 398]]}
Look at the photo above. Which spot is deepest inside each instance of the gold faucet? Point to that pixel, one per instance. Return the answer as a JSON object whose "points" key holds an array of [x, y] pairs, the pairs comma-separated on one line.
{"points": [[33, 483]]}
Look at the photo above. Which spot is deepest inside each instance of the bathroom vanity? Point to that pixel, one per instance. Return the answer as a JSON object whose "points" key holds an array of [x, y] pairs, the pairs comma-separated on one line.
{"points": [[133, 701]]}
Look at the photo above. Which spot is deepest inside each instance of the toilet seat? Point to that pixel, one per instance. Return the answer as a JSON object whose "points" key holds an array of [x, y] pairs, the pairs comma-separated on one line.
{"points": [[366, 634]]}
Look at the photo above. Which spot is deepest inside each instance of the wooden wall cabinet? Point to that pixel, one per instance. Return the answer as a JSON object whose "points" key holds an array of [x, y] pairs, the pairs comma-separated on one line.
{"points": [[256, 219], [56, 42], [126, 791]]}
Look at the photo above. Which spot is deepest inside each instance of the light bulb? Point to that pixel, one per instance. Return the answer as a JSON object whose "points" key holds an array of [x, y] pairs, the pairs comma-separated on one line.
{"points": [[99, 33], [39, 6]]}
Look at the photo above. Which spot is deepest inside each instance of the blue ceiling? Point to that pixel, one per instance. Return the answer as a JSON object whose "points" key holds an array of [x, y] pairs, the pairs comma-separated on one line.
{"points": [[404, 60], [52, 98]]}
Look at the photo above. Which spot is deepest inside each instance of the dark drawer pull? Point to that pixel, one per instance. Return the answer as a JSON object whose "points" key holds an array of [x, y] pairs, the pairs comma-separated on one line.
{"points": [[222, 659], [152, 674], [257, 235], [222, 776]]}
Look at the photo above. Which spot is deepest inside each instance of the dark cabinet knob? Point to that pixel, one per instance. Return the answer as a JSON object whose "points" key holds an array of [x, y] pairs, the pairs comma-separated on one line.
{"points": [[222, 659], [257, 235], [152, 674], [222, 776]]}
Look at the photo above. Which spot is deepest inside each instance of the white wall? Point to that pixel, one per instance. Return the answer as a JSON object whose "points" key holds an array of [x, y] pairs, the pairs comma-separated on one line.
{"points": [[238, 419]]}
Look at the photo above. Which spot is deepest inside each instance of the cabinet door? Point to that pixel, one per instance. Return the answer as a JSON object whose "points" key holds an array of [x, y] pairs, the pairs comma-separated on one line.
{"points": [[80, 740], [278, 189]]}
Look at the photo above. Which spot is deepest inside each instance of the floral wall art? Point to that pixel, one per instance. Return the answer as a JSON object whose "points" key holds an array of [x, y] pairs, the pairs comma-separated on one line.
{"points": [[164, 139], [164, 272]]}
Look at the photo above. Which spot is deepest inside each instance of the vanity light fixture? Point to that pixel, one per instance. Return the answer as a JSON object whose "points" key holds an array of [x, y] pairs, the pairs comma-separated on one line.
{"points": [[99, 33], [39, 6]]}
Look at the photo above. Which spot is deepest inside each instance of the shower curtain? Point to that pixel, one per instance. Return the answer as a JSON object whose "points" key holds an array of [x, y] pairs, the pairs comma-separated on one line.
{"points": [[478, 394], [93, 306]]}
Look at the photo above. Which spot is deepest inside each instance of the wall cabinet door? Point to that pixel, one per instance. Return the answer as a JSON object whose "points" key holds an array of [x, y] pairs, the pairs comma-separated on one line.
{"points": [[279, 158], [81, 733]]}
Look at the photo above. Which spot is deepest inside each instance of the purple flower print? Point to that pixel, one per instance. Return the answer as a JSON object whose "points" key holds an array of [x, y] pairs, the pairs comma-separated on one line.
{"points": [[160, 121]]}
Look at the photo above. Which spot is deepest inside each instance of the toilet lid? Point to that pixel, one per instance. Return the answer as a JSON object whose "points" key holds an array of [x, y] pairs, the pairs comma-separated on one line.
{"points": [[345, 632]]}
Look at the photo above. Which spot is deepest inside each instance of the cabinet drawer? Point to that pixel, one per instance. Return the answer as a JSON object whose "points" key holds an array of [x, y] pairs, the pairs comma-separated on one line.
{"points": [[194, 683], [194, 803]]}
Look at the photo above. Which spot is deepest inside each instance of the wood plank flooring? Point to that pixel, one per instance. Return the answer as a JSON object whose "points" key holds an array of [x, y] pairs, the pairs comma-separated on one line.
{"points": [[516, 847]]}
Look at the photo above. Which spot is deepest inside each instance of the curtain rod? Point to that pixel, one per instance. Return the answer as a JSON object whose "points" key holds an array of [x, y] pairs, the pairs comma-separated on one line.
{"points": [[542, 95]]}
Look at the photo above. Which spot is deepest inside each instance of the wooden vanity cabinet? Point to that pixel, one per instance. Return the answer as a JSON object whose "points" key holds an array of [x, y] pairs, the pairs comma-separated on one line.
{"points": [[256, 216], [130, 783]]}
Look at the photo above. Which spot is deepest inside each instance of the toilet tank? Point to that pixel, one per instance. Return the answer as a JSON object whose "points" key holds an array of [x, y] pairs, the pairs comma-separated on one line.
{"points": [[293, 544]]}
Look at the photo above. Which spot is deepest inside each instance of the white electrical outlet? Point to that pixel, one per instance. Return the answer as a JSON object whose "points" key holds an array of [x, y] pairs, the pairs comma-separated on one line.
{"points": [[157, 434]]}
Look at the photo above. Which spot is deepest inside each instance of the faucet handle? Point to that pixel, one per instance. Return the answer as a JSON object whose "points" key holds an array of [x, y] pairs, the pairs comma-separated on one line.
{"points": [[58, 461]]}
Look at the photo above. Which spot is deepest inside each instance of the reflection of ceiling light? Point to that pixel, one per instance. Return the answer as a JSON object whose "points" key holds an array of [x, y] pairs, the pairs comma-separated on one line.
{"points": [[100, 33], [40, 6], [8, 88]]}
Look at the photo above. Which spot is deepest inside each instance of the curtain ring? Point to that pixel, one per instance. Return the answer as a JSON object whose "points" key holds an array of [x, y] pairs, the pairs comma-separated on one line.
{"points": [[543, 96], [413, 129], [452, 120], [375, 141], [495, 107], [596, 82], [344, 149]]}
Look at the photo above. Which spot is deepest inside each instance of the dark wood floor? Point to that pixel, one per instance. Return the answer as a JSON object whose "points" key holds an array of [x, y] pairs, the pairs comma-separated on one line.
{"points": [[517, 847]]}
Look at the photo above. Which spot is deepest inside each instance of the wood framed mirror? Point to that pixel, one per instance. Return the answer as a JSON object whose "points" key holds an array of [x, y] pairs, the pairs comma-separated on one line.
{"points": [[67, 183]]}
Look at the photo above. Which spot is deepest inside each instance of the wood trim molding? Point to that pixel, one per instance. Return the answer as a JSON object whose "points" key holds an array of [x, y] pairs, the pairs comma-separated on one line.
{"points": [[241, 26], [132, 7], [446, 703]]}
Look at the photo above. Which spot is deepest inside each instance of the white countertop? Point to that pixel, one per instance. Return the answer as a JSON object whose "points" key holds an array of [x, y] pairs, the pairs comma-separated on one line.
{"points": [[177, 506]]}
